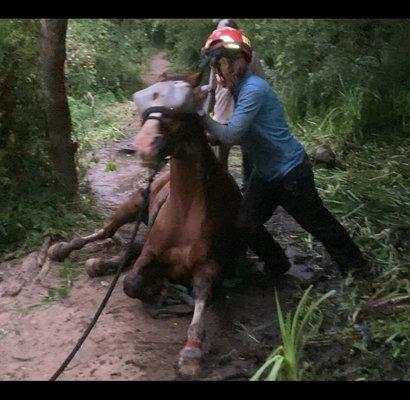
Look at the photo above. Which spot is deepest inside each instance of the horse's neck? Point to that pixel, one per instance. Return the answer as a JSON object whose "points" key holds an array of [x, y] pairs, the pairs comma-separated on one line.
{"points": [[189, 177]]}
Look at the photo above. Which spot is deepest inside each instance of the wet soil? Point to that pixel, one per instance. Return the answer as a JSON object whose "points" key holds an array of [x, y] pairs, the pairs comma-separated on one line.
{"points": [[38, 331]]}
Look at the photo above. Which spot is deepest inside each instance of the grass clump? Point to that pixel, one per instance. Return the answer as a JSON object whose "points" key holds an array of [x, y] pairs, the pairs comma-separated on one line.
{"points": [[295, 330], [68, 272]]}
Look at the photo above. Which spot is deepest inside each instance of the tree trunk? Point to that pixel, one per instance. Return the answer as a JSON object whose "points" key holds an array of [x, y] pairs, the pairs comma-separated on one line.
{"points": [[52, 59]]}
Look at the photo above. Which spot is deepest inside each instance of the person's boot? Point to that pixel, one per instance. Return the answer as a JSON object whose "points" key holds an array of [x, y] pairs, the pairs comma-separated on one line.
{"points": [[362, 268], [277, 267]]}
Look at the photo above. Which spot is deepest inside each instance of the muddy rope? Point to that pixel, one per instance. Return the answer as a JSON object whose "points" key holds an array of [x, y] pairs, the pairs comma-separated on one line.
{"points": [[123, 263]]}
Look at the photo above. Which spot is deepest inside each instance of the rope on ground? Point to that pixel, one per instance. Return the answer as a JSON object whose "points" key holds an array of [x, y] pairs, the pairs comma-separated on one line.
{"points": [[127, 255]]}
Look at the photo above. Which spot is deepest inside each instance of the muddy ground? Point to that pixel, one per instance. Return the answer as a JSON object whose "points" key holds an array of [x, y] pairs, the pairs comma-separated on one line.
{"points": [[39, 328]]}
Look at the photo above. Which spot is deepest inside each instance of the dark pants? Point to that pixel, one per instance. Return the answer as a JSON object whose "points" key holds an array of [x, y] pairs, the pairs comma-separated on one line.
{"points": [[297, 194], [247, 167]]}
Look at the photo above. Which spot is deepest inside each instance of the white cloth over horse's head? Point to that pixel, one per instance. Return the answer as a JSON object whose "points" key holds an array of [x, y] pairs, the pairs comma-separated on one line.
{"points": [[173, 95]]}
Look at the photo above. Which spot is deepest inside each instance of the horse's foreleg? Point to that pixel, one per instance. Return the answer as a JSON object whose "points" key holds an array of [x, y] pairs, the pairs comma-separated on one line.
{"points": [[126, 213], [190, 357]]}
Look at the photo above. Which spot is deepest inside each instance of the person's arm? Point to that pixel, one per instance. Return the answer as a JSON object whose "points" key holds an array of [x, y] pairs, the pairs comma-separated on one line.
{"points": [[246, 109]]}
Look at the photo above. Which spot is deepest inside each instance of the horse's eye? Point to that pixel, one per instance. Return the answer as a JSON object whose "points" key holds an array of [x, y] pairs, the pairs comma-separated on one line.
{"points": [[155, 96]]}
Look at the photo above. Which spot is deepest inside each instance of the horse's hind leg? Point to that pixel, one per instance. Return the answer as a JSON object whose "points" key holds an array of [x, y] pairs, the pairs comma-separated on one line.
{"points": [[158, 195], [105, 266], [126, 213]]}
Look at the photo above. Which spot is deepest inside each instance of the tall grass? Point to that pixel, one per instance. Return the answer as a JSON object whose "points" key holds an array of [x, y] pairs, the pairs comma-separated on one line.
{"points": [[99, 118], [369, 193]]}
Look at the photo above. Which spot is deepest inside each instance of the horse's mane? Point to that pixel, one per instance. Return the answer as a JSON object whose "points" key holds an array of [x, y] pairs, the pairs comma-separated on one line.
{"points": [[176, 76], [191, 77]]}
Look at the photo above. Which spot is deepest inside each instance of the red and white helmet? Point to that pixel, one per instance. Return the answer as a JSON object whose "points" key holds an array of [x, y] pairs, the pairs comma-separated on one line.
{"points": [[228, 38]]}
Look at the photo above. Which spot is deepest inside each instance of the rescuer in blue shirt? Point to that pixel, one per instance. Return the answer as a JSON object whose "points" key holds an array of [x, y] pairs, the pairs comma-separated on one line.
{"points": [[282, 173]]}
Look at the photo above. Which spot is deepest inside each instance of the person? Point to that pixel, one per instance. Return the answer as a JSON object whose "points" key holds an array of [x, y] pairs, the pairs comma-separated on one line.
{"points": [[220, 101], [282, 174]]}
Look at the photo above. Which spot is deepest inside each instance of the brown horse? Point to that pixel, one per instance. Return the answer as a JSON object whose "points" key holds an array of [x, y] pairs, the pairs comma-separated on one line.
{"points": [[194, 234], [192, 209]]}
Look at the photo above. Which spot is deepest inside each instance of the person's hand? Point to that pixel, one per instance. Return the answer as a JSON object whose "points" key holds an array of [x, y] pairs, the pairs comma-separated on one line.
{"points": [[201, 112], [212, 140]]}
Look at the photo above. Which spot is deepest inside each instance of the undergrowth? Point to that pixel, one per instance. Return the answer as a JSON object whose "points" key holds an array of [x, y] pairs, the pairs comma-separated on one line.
{"points": [[29, 217], [33, 210], [98, 119], [369, 193]]}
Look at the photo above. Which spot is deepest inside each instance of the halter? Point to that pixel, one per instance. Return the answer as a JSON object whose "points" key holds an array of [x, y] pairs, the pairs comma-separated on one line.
{"points": [[171, 112], [164, 111]]}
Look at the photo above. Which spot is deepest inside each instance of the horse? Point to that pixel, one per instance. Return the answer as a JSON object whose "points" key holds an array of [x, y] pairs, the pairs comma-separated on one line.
{"points": [[192, 210]]}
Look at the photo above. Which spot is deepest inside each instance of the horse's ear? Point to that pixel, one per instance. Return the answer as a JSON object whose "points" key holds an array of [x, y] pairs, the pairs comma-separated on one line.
{"points": [[163, 77], [195, 79]]}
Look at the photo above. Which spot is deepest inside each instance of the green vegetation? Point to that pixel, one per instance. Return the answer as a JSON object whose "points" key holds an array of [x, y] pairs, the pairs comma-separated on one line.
{"points": [[104, 63], [369, 193], [296, 329], [353, 73], [98, 120], [68, 272], [105, 56]]}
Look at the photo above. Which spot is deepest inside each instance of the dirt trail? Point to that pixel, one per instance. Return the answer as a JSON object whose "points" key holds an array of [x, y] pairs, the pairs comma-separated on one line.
{"points": [[113, 188], [127, 344], [157, 66]]}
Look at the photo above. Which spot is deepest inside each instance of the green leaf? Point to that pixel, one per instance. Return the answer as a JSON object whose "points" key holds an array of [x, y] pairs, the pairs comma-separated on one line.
{"points": [[111, 166], [273, 375]]}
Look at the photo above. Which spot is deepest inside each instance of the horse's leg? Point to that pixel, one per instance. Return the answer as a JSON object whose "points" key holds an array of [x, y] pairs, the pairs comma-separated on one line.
{"points": [[105, 266], [145, 280], [126, 213], [190, 357]]}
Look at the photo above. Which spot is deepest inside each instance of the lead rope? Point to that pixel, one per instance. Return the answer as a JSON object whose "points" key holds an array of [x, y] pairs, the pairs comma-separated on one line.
{"points": [[117, 275]]}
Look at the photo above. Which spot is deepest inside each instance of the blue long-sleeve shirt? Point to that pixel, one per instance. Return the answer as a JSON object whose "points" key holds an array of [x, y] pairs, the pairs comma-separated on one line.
{"points": [[259, 126]]}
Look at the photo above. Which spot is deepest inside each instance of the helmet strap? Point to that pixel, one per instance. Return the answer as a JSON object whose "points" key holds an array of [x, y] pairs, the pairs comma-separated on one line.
{"points": [[221, 77]]}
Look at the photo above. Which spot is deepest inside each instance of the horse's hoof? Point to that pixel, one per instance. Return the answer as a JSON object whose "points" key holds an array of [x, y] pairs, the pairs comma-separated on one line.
{"points": [[91, 267], [130, 286], [189, 364], [98, 267], [58, 251]]}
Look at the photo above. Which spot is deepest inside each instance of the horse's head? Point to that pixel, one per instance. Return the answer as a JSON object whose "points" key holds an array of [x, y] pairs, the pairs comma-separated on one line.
{"points": [[169, 117]]}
